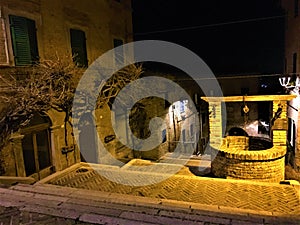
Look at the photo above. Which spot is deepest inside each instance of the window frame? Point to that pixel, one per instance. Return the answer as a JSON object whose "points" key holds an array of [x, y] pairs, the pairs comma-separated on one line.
{"points": [[32, 39], [84, 47]]}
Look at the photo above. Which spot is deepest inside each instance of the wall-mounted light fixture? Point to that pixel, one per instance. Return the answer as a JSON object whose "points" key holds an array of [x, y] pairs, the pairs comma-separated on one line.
{"points": [[285, 82]]}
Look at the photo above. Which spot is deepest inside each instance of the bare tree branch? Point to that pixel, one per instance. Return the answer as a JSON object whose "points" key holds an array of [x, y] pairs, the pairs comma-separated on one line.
{"points": [[50, 84]]}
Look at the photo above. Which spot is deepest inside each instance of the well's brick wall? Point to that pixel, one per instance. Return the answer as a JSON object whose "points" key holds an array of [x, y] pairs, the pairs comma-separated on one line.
{"points": [[259, 170], [240, 142], [234, 160]]}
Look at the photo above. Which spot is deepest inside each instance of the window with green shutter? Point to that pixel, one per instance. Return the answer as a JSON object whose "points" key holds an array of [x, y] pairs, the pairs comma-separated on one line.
{"points": [[78, 45], [24, 40]]}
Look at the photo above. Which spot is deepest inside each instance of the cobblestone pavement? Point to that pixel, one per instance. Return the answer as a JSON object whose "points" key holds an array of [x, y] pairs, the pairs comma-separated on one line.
{"points": [[275, 198]]}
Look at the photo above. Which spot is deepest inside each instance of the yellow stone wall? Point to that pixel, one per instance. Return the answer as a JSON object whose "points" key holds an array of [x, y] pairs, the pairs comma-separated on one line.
{"points": [[215, 124], [261, 170], [101, 20], [234, 160]]}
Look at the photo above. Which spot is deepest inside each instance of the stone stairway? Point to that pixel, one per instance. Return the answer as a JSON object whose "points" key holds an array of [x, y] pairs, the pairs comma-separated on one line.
{"points": [[198, 165], [50, 204]]}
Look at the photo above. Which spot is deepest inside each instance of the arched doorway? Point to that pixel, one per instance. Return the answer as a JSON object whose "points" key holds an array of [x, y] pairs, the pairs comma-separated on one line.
{"points": [[36, 147], [87, 139]]}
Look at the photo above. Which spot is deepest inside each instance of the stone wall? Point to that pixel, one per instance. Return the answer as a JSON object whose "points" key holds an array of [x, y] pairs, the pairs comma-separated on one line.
{"points": [[11, 155], [3, 43], [215, 124], [239, 142], [7, 161], [233, 159], [263, 165], [292, 39], [101, 20]]}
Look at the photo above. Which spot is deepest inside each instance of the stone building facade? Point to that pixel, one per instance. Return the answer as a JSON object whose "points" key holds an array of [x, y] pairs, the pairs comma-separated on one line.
{"points": [[40, 30], [58, 28], [292, 66], [36, 30]]}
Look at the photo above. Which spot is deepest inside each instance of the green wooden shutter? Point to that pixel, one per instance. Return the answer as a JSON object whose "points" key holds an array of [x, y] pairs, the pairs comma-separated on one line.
{"points": [[24, 41], [33, 40], [78, 45]]}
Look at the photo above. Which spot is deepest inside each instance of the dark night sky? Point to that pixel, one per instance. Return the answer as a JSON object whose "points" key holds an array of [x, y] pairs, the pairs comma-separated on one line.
{"points": [[240, 48]]}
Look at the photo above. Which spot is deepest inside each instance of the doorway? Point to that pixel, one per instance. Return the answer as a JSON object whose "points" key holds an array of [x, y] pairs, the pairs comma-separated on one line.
{"points": [[36, 147], [87, 139]]}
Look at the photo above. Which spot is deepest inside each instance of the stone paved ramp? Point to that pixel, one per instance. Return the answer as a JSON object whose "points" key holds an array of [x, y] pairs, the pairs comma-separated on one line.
{"points": [[274, 198], [49, 204]]}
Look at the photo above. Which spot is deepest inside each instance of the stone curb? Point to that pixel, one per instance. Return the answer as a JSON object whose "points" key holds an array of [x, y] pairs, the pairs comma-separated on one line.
{"points": [[50, 197]]}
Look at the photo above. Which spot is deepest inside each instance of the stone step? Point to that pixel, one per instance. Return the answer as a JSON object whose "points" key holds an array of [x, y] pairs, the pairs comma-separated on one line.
{"points": [[93, 207], [182, 156], [46, 203], [188, 162], [7, 180]]}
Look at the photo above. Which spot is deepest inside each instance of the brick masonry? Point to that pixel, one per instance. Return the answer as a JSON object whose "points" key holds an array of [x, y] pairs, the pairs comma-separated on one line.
{"points": [[271, 170], [234, 160]]}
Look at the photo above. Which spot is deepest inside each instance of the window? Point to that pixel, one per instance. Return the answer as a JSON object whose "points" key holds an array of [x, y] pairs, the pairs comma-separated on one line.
{"points": [[295, 63], [183, 136], [36, 145], [296, 8], [78, 45], [164, 135], [119, 54], [192, 130], [24, 40], [196, 98]]}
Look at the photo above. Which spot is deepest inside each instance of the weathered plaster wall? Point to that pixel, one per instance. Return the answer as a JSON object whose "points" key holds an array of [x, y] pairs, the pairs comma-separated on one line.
{"points": [[291, 35], [101, 20], [292, 38]]}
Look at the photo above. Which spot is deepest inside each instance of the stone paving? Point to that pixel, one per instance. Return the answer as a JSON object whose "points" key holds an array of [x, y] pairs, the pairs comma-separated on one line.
{"points": [[49, 204], [83, 195], [275, 198]]}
